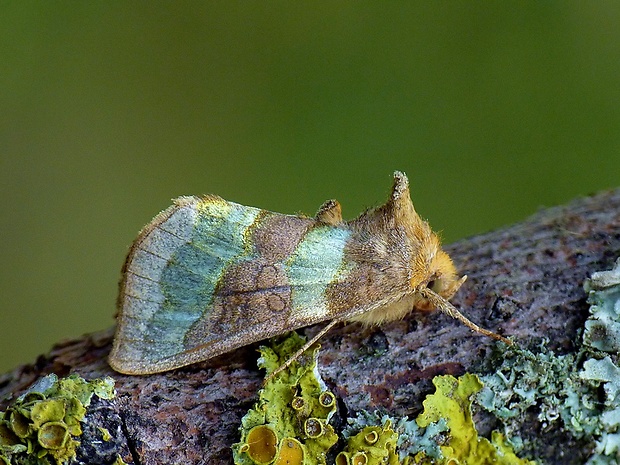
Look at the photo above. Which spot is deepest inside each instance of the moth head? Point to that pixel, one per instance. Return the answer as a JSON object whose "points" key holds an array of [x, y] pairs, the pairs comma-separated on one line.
{"points": [[430, 266], [432, 275], [441, 278], [442, 284]]}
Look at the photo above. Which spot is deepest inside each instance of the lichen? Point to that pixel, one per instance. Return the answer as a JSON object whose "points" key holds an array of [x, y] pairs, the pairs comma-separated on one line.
{"points": [[290, 421], [444, 433], [411, 438], [603, 327], [601, 369], [119, 461], [373, 445], [566, 389], [42, 426], [543, 382], [289, 424], [452, 402], [105, 434]]}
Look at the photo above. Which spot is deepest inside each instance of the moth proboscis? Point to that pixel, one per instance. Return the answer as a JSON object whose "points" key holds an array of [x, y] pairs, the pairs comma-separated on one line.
{"points": [[207, 276]]}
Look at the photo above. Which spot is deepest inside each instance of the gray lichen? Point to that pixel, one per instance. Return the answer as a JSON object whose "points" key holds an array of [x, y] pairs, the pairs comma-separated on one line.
{"points": [[567, 388]]}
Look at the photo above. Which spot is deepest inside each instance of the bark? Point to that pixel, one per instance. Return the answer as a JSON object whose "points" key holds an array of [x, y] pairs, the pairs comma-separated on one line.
{"points": [[524, 281]]}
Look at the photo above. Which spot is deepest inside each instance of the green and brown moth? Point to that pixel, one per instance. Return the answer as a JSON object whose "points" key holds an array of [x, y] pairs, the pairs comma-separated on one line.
{"points": [[207, 276]]}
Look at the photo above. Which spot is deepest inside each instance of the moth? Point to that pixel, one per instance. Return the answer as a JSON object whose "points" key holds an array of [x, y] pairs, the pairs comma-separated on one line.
{"points": [[207, 276]]}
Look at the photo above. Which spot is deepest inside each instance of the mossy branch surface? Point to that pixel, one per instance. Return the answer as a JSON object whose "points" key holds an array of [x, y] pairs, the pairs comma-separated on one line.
{"points": [[525, 281]]}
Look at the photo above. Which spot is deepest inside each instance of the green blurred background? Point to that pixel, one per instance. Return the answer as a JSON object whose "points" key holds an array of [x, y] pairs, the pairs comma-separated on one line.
{"points": [[110, 109]]}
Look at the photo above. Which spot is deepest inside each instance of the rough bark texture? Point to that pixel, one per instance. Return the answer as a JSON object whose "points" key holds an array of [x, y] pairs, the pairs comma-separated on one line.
{"points": [[524, 281]]}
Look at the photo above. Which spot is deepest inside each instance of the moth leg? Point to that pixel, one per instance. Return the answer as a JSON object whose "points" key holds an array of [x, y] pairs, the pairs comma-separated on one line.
{"points": [[330, 213], [299, 353]]}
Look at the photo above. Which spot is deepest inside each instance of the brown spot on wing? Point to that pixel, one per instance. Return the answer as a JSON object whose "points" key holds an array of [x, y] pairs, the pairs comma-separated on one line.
{"points": [[277, 236], [249, 293]]}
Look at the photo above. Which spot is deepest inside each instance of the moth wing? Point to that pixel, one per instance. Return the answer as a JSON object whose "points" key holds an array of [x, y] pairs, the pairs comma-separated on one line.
{"points": [[169, 277], [193, 286]]}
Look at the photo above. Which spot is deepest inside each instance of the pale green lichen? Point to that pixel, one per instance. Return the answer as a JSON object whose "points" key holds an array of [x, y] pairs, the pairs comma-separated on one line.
{"points": [[562, 390], [290, 421], [603, 327], [42, 425], [602, 369], [543, 381]]}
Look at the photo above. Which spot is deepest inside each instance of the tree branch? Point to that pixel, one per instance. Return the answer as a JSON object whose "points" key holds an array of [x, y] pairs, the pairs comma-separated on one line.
{"points": [[525, 281]]}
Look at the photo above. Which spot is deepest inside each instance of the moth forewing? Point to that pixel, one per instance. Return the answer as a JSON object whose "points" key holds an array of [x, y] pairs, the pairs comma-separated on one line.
{"points": [[233, 276], [207, 276]]}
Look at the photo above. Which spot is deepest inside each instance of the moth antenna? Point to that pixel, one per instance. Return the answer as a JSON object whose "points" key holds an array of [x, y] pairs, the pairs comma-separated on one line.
{"points": [[449, 309], [299, 353]]}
